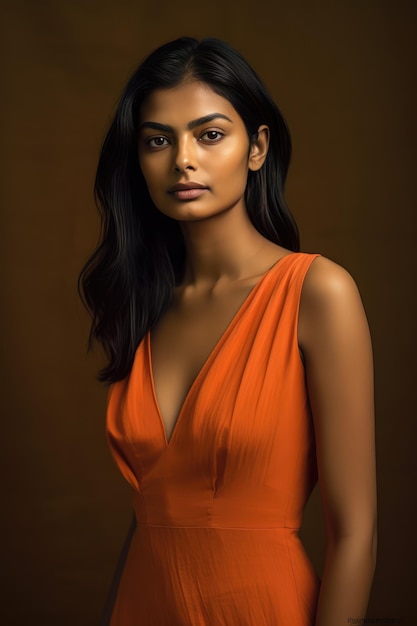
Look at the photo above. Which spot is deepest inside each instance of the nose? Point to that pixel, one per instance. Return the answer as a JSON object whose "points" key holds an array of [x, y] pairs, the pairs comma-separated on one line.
{"points": [[186, 155]]}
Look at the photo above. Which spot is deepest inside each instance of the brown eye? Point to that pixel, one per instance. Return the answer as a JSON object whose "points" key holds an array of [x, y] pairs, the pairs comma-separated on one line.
{"points": [[157, 142], [211, 136]]}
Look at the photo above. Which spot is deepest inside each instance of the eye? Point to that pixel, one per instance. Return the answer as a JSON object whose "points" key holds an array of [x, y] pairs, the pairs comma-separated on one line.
{"points": [[157, 142], [211, 136]]}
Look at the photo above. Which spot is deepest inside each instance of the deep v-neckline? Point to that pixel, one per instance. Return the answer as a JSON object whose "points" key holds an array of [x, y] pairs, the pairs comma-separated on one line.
{"points": [[212, 354]]}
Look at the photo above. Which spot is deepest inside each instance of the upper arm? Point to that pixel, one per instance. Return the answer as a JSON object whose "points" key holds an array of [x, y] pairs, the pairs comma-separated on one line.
{"points": [[335, 341]]}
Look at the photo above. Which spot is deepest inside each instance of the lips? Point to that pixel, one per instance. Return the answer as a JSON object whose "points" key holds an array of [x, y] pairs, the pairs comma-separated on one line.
{"points": [[187, 191]]}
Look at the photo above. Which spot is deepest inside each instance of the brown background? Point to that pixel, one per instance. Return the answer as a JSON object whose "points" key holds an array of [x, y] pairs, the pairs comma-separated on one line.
{"points": [[344, 75]]}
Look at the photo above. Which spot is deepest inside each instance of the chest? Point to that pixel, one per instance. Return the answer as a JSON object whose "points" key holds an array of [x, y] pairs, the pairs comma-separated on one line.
{"points": [[183, 341]]}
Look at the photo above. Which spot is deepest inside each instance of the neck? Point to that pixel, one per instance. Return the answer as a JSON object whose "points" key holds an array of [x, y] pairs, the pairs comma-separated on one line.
{"points": [[224, 246]]}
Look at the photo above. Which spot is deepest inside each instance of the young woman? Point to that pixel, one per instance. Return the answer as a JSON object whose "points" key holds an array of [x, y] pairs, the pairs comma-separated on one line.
{"points": [[240, 368]]}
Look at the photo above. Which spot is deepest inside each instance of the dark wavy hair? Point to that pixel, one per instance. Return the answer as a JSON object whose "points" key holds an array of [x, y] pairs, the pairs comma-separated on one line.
{"points": [[129, 280]]}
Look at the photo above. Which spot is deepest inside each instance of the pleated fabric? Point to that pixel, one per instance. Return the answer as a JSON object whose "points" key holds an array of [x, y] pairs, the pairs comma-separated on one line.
{"points": [[219, 505]]}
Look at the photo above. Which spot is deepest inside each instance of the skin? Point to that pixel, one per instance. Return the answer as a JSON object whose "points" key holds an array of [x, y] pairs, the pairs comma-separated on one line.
{"points": [[226, 256], [335, 342]]}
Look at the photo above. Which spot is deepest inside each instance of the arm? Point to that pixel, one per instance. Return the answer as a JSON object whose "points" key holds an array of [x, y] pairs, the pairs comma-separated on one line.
{"points": [[334, 339], [108, 607]]}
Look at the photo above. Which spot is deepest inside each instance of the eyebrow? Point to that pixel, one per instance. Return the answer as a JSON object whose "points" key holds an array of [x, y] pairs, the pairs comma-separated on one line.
{"points": [[191, 125]]}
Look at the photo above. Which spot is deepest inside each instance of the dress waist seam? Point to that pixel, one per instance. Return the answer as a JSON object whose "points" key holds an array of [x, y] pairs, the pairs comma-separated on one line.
{"points": [[214, 527]]}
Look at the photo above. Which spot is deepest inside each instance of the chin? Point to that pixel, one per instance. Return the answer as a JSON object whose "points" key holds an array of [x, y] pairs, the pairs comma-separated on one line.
{"points": [[189, 211]]}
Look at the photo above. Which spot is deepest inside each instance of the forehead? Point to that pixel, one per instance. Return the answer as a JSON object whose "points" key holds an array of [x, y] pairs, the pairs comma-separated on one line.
{"points": [[188, 101]]}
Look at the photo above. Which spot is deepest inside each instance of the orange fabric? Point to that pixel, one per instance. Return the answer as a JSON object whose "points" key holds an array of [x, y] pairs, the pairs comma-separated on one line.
{"points": [[219, 505]]}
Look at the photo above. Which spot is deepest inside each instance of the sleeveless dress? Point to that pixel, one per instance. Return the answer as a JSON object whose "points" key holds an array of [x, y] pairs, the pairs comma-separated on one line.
{"points": [[218, 506]]}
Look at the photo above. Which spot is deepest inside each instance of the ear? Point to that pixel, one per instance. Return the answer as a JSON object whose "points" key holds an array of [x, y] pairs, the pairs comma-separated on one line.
{"points": [[259, 149]]}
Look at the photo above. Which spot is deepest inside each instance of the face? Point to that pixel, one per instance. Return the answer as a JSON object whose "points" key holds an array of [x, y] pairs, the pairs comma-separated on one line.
{"points": [[195, 153]]}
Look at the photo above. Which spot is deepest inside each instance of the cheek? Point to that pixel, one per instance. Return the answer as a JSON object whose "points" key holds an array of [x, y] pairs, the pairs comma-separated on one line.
{"points": [[232, 169], [236, 157]]}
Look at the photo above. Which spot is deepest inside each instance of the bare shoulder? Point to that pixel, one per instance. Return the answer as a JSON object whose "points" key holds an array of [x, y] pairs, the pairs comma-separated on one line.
{"points": [[330, 302], [326, 281]]}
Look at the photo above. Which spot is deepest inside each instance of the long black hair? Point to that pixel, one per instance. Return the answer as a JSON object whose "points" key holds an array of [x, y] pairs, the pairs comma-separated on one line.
{"points": [[129, 280]]}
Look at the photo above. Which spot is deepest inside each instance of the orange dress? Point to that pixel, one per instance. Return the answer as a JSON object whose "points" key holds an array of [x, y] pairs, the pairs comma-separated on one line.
{"points": [[218, 506]]}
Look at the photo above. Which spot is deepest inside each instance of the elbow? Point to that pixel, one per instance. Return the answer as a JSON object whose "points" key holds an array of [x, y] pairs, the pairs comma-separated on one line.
{"points": [[360, 539]]}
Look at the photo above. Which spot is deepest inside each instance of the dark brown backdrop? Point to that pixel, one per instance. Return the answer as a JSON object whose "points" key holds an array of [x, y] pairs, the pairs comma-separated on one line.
{"points": [[343, 74]]}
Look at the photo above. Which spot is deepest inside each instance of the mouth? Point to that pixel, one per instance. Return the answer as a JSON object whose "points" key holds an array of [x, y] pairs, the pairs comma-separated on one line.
{"points": [[187, 191]]}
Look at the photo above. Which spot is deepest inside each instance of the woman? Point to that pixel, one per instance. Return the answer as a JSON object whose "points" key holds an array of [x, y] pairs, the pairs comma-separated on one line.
{"points": [[240, 369]]}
